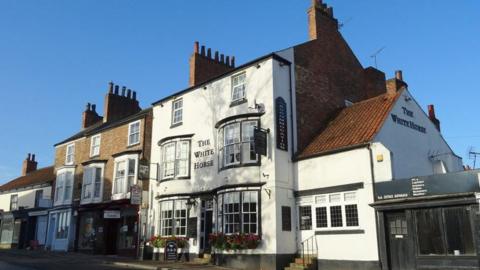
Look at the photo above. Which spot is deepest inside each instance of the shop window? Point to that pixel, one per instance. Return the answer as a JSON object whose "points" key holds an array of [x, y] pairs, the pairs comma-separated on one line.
{"points": [[87, 232], [237, 145], [286, 218], [429, 232], [6, 230], [305, 217], [17, 225], [175, 159], [445, 231], [173, 218], [238, 212], [127, 231], [63, 224]]}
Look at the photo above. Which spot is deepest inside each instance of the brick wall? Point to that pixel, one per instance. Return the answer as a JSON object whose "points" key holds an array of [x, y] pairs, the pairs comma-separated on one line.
{"points": [[113, 141]]}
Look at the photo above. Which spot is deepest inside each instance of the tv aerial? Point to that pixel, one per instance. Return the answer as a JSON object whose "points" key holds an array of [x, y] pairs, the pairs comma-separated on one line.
{"points": [[375, 55], [342, 24], [472, 154]]}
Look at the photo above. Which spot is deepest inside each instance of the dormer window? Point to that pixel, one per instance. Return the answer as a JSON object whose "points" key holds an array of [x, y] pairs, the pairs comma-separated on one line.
{"points": [[238, 87], [134, 133], [70, 154], [95, 146], [177, 112]]}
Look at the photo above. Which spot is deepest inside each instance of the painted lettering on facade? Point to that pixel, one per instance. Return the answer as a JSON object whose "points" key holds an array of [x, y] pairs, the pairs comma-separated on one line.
{"points": [[204, 156]]}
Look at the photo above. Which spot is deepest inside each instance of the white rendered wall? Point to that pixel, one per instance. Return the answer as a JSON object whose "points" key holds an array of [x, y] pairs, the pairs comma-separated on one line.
{"points": [[26, 197], [412, 149]]}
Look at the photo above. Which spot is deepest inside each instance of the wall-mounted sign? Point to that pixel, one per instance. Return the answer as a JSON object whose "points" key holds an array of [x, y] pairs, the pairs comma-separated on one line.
{"points": [[260, 141], [171, 251], [143, 170], [406, 122], [135, 195], [204, 156], [438, 184], [281, 124], [111, 214]]}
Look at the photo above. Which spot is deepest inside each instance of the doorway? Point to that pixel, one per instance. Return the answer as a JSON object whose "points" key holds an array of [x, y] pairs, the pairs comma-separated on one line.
{"points": [[111, 231], [399, 241], [206, 225]]}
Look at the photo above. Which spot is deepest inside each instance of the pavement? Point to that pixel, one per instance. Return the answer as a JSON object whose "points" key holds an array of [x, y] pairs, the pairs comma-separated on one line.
{"points": [[48, 260]]}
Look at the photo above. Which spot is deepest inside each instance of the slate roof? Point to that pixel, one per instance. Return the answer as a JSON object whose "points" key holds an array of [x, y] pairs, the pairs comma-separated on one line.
{"points": [[101, 126], [353, 126], [37, 177]]}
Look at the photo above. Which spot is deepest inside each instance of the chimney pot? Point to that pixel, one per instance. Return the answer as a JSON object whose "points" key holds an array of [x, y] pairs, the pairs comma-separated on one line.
{"points": [[87, 107], [216, 56], [94, 107], [129, 93], [399, 75], [209, 53], [116, 89], [227, 61], [33, 157], [134, 95], [222, 58], [233, 61], [28, 156], [195, 47], [123, 90], [110, 87], [202, 51]]}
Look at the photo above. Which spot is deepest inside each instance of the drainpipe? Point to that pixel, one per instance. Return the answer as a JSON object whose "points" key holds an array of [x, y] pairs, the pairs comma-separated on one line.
{"points": [[372, 172]]}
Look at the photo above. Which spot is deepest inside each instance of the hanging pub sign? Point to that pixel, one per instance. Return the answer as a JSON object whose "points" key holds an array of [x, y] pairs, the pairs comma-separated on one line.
{"points": [[135, 195], [260, 141], [171, 251], [281, 124], [143, 170]]}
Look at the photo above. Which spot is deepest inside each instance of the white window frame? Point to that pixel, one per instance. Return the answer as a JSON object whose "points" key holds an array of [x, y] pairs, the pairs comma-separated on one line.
{"points": [[62, 198], [177, 158], [179, 109], [239, 86], [130, 134], [323, 200], [95, 148], [125, 192], [91, 187], [174, 218], [222, 214], [240, 145], [13, 205], [70, 155]]}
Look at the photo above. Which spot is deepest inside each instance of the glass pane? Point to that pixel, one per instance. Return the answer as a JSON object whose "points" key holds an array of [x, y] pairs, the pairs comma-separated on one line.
{"points": [[334, 198], [336, 216], [321, 215], [458, 231], [429, 232], [351, 214], [305, 217]]}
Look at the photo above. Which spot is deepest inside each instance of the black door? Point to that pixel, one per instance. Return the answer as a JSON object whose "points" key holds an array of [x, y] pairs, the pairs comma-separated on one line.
{"points": [[400, 242], [111, 231], [206, 224]]}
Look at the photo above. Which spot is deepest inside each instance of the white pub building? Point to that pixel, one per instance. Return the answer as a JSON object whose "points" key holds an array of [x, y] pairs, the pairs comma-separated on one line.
{"points": [[287, 147]]}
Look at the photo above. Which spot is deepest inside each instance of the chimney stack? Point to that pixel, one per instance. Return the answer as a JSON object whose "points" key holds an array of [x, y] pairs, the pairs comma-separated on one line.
{"points": [[397, 83], [321, 21], [433, 117], [29, 164], [118, 106], [203, 67], [90, 116]]}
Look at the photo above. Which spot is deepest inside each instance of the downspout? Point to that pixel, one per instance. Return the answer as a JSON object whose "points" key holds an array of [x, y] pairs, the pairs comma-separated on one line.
{"points": [[372, 172]]}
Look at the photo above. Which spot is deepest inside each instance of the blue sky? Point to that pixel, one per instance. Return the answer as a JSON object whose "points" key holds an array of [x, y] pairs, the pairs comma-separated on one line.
{"points": [[55, 56]]}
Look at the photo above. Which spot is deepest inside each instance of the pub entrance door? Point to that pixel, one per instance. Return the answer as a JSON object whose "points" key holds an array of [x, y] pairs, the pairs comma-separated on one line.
{"points": [[399, 241], [206, 224]]}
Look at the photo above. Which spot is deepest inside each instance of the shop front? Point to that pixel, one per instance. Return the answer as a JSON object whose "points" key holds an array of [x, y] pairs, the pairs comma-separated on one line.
{"points": [[108, 229], [429, 222]]}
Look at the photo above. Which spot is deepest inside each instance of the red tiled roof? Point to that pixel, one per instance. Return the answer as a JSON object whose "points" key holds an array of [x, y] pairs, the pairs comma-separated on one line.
{"points": [[354, 125], [37, 177]]}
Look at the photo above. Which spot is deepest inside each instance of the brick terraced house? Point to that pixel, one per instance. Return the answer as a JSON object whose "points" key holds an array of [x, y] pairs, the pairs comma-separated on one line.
{"points": [[24, 202], [99, 183], [287, 148]]}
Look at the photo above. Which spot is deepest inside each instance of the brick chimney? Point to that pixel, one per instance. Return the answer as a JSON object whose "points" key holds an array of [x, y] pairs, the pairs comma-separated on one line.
{"points": [[118, 106], [204, 66], [373, 82], [433, 118], [321, 21], [90, 116], [397, 83], [29, 164]]}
